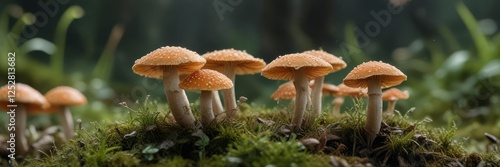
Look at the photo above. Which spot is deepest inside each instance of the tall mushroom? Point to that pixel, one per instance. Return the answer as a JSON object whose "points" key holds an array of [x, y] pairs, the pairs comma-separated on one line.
{"points": [[300, 68], [231, 62], [374, 75], [62, 97], [168, 63], [392, 96], [23, 95], [207, 81], [316, 94]]}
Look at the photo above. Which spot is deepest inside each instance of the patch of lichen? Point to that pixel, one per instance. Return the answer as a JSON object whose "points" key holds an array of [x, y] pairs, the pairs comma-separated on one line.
{"points": [[148, 137]]}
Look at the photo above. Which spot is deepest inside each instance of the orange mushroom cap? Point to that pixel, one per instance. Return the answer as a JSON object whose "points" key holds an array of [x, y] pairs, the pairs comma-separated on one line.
{"points": [[394, 94], [389, 75], [206, 79], [65, 96], [23, 94], [283, 67], [336, 62], [244, 62], [151, 65], [348, 91], [284, 91]]}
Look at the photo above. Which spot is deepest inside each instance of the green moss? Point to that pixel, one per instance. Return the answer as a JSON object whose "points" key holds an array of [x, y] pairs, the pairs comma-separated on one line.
{"points": [[147, 137]]}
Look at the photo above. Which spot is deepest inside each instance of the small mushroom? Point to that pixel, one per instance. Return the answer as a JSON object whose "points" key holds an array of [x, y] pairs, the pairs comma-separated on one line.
{"points": [[62, 97], [207, 81], [374, 75], [345, 91], [284, 91], [232, 62], [24, 95], [337, 64], [392, 96], [300, 68], [168, 63]]}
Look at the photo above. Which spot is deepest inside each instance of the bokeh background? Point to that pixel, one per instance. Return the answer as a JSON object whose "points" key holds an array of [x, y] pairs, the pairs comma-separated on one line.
{"points": [[449, 49]]}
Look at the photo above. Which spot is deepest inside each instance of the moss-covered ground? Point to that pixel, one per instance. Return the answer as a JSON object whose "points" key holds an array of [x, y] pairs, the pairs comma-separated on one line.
{"points": [[261, 137]]}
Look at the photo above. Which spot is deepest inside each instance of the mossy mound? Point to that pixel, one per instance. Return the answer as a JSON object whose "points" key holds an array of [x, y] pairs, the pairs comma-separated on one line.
{"points": [[260, 137]]}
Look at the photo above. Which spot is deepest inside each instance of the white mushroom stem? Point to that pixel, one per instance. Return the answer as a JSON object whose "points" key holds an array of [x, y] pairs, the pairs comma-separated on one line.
{"points": [[216, 103], [316, 95], [391, 104], [176, 97], [67, 122], [337, 102], [374, 113], [228, 94], [21, 141], [207, 114], [302, 88]]}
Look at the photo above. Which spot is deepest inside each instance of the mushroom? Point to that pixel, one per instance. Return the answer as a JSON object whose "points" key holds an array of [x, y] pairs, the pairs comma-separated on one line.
{"points": [[284, 91], [231, 62], [332, 90], [300, 68], [346, 91], [167, 63], [23, 95], [62, 97], [374, 75], [216, 103], [391, 96], [337, 65], [207, 81]]}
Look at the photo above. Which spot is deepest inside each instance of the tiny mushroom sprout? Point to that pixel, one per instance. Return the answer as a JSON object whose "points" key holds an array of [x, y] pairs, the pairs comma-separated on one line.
{"points": [[284, 91], [168, 63], [300, 68], [337, 65], [62, 97], [231, 62], [391, 96], [375, 75], [22, 95], [207, 81]]}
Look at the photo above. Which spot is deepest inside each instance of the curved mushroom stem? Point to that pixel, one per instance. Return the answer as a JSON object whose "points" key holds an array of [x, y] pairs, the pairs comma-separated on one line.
{"points": [[337, 102], [216, 103], [21, 141], [176, 97], [374, 113], [228, 94], [67, 122], [207, 115], [391, 104], [302, 89], [316, 95]]}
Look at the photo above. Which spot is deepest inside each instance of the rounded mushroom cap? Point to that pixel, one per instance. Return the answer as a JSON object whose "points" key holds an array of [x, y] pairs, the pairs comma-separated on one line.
{"points": [[24, 94], [394, 94], [65, 96], [348, 91], [336, 62], [389, 75], [152, 64], [283, 67], [244, 63], [284, 91], [329, 89], [206, 79]]}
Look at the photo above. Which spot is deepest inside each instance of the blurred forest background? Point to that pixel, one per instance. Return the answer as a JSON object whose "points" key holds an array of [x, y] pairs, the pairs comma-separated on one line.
{"points": [[449, 49]]}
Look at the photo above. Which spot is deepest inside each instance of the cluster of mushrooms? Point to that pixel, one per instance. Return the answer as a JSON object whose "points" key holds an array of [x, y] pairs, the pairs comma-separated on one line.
{"points": [[30, 101], [216, 70]]}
